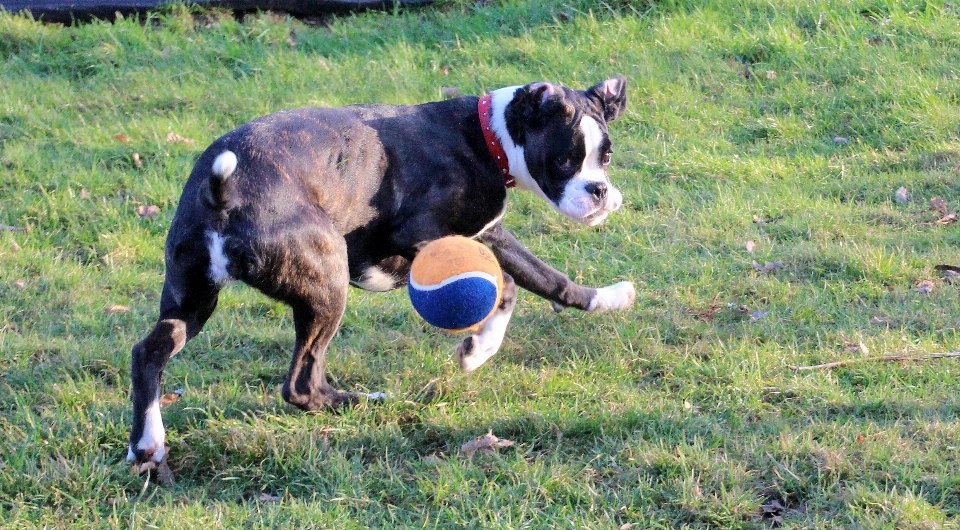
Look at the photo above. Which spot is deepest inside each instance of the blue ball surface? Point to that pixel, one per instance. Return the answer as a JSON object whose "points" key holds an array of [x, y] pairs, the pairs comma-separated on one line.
{"points": [[455, 283]]}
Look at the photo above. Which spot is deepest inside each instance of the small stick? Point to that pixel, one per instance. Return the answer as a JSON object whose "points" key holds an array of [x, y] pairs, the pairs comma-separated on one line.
{"points": [[885, 358]]}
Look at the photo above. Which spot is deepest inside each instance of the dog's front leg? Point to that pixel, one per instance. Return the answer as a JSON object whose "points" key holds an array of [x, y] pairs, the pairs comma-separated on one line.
{"points": [[547, 282], [482, 345]]}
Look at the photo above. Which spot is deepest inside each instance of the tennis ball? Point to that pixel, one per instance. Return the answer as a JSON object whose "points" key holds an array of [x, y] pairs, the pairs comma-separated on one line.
{"points": [[455, 283]]}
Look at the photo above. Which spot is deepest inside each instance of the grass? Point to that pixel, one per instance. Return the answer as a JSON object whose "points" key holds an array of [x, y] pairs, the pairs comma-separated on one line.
{"points": [[665, 416]]}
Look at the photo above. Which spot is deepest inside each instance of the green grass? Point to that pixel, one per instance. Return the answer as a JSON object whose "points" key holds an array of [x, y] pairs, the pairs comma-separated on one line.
{"points": [[657, 416]]}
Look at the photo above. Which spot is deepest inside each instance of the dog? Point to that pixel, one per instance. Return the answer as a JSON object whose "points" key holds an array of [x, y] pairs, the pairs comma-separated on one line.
{"points": [[302, 203]]}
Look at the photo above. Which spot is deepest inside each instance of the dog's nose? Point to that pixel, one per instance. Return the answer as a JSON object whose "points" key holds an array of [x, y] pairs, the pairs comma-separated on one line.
{"points": [[597, 189]]}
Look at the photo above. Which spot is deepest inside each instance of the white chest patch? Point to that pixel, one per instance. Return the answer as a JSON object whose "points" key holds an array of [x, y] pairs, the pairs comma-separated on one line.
{"points": [[218, 260]]}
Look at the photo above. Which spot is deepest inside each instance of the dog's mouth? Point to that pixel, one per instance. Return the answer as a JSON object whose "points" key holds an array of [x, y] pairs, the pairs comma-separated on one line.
{"points": [[595, 218]]}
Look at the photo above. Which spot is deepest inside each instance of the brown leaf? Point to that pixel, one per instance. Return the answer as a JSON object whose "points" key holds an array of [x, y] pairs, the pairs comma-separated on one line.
{"points": [[767, 266], [486, 443], [148, 212], [924, 287], [116, 308], [171, 398], [165, 474], [176, 138], [120, 137], [939, 205], [626, 526], [947, 219], [445, 69]]}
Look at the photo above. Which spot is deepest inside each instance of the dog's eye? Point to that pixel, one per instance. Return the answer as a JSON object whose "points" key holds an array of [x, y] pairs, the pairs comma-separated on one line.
{"points": [[564, 162], [606, 158]]}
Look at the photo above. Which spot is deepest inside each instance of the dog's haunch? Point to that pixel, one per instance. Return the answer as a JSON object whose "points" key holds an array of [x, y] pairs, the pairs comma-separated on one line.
{"points": [[455, 283]]}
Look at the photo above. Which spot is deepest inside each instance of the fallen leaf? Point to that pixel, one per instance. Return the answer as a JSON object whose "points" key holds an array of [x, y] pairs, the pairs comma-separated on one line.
{"points": [[902, 195], [171, 398], [176, 138], [445, 69], [84, 194], [120, 137], [164, 473], [881, 320], [116, 308], [767, 266], [924, 287], [940, 205], [771, 74], [266, 497], [148, 212], [136, 160], [20, 284], [486, 443], [947, 219], [750, 245], [626, 526]]}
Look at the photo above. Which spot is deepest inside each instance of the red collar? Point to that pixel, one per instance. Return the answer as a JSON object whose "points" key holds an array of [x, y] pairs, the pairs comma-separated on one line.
{"points": [[493, 144]]}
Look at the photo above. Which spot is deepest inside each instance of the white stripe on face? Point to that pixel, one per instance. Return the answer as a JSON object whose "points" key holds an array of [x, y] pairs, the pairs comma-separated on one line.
{"points": [[578, 202]]}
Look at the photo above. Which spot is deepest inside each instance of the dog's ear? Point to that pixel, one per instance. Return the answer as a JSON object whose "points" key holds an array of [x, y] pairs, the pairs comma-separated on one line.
{"points": [[612, 96], [542, 100]]}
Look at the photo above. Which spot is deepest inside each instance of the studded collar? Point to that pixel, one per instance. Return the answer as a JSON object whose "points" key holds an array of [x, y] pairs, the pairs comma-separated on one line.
{"points": [[484, 109]]}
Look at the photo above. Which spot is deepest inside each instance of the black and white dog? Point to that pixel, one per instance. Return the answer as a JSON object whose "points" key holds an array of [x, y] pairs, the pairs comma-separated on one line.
{"points": [[302, 203]]}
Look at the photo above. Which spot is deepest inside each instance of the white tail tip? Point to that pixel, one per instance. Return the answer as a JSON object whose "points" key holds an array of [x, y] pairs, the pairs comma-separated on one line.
{"points": [[225, 164]]}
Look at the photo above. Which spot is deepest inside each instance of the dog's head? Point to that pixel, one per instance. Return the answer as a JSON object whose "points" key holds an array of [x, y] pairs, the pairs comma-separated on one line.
{"points": [[557, 144]]}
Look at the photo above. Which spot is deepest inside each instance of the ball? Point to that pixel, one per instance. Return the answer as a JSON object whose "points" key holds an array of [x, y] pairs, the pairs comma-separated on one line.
{"points": [[455, 283]]}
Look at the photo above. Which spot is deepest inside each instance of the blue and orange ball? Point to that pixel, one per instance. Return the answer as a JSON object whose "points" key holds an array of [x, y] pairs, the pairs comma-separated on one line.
{"points": [[455, 283]]}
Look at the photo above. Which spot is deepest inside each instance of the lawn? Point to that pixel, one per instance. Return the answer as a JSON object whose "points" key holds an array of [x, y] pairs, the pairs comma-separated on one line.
{"points": [[760, 162]]}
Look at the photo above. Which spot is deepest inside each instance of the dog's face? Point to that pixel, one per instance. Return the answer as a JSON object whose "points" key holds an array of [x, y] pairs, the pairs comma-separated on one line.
{"points": [[561, 147]]}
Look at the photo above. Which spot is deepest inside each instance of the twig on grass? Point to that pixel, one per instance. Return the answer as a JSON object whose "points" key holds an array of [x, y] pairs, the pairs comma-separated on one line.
{"points": [[884, 358]]}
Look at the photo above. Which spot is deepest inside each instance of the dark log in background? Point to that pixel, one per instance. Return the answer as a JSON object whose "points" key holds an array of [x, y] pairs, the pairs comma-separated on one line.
{"points": [[67, 11]]}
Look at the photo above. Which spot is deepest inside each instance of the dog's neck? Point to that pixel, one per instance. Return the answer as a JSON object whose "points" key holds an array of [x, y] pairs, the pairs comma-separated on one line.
{"points": [[516, 161]]}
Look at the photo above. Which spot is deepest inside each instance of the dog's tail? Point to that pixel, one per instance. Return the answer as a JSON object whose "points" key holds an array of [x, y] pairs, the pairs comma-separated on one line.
{"points": [[218, 193]]}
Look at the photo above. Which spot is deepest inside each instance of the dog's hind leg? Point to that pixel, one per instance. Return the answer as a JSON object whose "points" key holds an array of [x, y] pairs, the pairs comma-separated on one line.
{"points": [[184, 308], [304, 264], [484, 344]]}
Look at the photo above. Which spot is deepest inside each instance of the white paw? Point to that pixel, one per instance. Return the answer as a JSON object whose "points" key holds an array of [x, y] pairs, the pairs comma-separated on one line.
{"points": [[485, 343], [617, 296], [152, 440], [375, 396]]}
